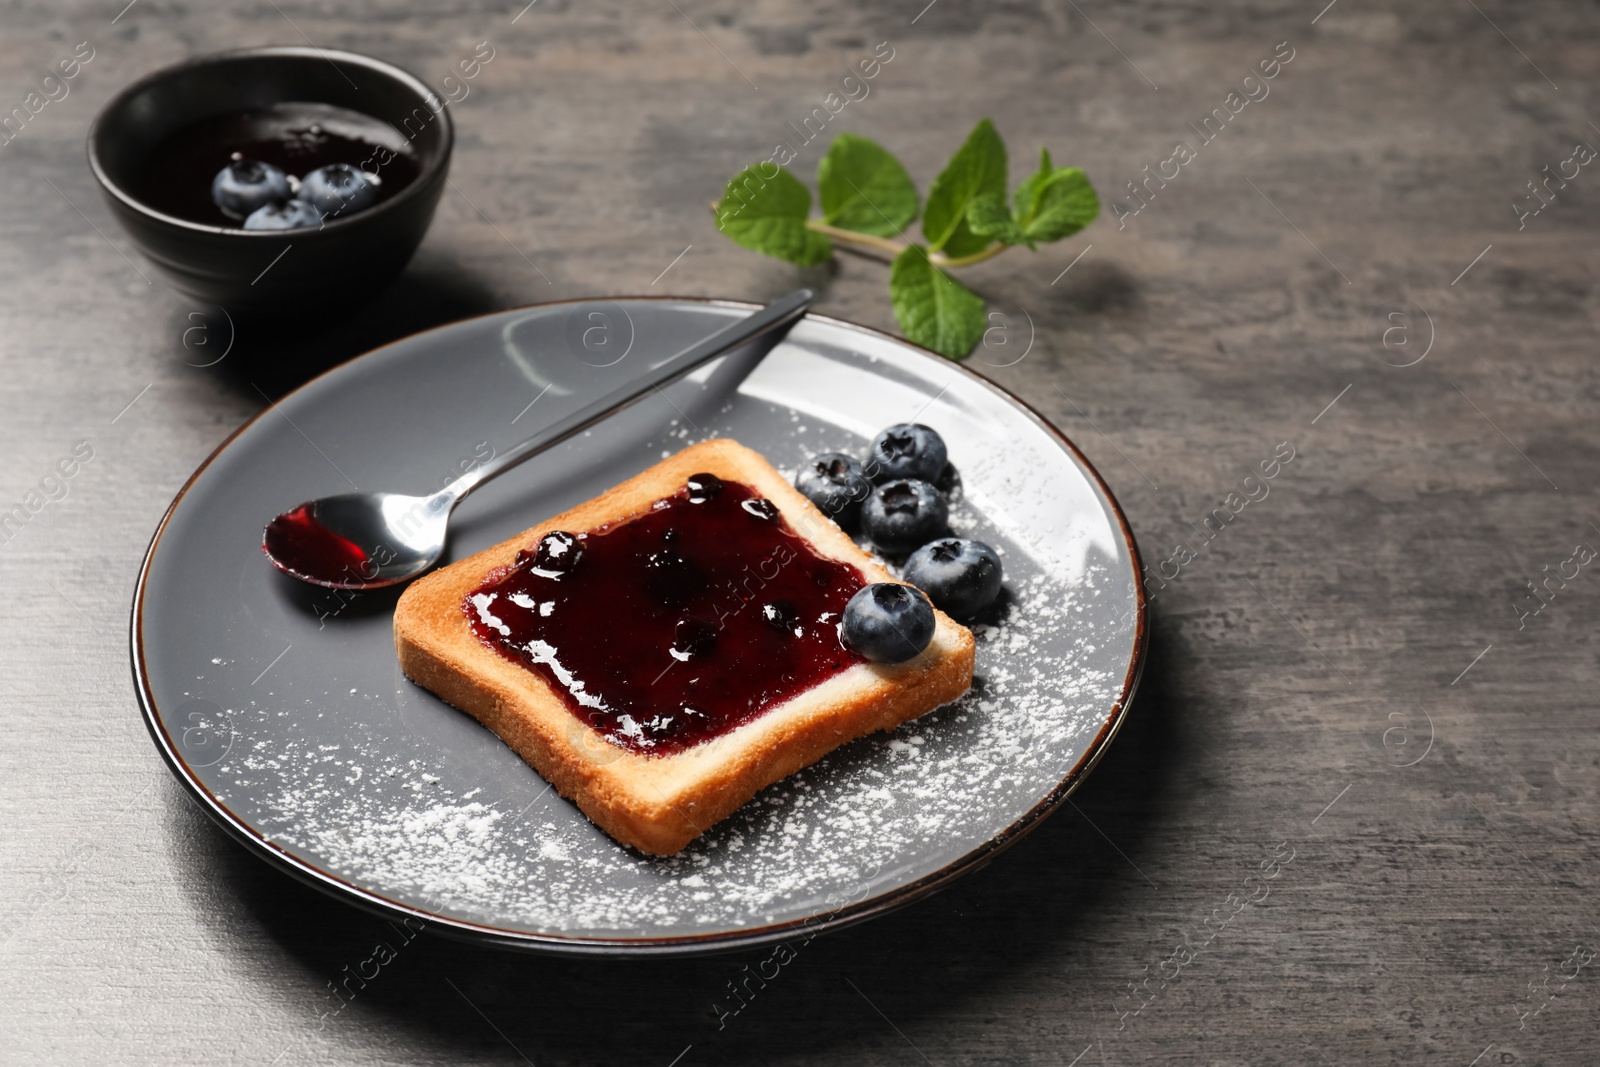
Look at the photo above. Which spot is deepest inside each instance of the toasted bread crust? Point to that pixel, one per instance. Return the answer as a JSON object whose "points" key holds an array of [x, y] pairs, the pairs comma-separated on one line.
{"points": [[659, 804]]}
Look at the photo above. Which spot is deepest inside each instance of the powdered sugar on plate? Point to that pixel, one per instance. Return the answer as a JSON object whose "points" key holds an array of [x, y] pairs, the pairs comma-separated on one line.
{"points": [[936, 787]]}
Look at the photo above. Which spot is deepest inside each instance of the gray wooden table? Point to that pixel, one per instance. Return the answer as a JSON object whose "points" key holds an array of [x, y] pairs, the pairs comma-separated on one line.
{"points": [[1348, 688]]}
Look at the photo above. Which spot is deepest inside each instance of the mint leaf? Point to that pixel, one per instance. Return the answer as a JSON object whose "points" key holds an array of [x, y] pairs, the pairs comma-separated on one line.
{"points": [[863, 188], [768, 215], [978, 167], [1055, 202], [989, 217], [1028, 192], [965, 241], [933, 309]]}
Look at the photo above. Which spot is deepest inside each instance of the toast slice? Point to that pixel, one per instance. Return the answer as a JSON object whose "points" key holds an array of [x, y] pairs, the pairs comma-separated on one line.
{"points": [[658, 803]]}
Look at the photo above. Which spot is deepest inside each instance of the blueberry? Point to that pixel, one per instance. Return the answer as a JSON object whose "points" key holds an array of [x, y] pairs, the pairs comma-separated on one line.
{"points": [[834, 483], [902, 515], [909, 450], [887, 622], [961, 576], [245, 185], [671, 579], [557, 553], [338, 188], [691, 638], [760, 507], [782, 616], [291, 215], [702, 487]]}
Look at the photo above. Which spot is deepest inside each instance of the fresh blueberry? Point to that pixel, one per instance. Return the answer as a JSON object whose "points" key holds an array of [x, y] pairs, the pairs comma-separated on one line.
{"points": [[909, 450], [903, 515], [292, 215], [338, 188], [887, 622], [833, 482], [949, 482], [961, 576], [245, 185]]}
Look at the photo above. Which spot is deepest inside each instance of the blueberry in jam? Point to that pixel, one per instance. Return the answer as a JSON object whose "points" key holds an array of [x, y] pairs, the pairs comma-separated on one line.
{"points": [[782, 616], [834, 482], [888, 623], [290, 215], [247, 184], [693, 637], [907, 450], [702, 487], [676, 625], [904, 515], [963, 577], [178, 175], [761, 508], [557, 553], [670, 579], [339, 188]]}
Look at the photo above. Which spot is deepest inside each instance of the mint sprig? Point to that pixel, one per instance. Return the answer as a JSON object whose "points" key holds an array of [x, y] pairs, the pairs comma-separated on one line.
{"points": [[868, 199]]}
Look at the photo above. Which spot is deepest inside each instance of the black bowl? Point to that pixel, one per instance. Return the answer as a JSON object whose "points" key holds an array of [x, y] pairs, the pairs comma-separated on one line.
{"points": [[339, 264]]}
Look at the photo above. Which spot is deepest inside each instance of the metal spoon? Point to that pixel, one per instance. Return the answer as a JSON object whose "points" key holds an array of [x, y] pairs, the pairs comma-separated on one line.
{"points": [[369, 540]]}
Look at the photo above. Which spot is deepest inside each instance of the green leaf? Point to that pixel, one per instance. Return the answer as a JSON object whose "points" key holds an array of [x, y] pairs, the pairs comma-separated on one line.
{"points": [[989, 217], [933, 309], [965, 241], [768, 214], [978, 167], [1028, 191], [863, 188], [1055, 202]]}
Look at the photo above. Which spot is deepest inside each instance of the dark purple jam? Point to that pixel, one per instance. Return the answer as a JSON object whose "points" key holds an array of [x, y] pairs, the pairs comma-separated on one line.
{"points": [[297, 138], [301, 545], [677, 625]]}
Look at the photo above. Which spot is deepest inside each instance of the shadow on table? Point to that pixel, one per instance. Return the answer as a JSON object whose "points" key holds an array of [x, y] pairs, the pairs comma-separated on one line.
{"points": [[276, 353], [924, 961]]}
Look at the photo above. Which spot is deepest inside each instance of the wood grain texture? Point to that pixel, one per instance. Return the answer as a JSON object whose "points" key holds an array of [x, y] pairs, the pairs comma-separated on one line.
{"points": [[1297, 660]]}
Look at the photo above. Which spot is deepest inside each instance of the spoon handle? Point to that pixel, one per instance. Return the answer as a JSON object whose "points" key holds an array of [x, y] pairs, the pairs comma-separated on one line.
{"points": [[777, 315]]}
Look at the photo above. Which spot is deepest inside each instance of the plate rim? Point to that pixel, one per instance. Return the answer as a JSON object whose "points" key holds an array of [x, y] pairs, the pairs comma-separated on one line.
{"points": [[683, 944]]}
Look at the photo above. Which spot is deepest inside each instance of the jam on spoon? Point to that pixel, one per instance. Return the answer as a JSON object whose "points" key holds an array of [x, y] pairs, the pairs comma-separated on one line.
{"points": [[304, 547]]}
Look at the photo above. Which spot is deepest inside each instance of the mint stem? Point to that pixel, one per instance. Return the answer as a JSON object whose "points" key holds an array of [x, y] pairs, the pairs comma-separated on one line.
{"points": [[894, 248], [882, 244]]}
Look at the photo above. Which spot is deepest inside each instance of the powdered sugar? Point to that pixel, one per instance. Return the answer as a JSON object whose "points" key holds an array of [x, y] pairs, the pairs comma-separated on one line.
{"points": [[877, 810]]}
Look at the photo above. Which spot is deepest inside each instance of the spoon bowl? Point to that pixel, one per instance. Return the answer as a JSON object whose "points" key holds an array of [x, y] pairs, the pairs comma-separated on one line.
{"points": [[359, 540]]}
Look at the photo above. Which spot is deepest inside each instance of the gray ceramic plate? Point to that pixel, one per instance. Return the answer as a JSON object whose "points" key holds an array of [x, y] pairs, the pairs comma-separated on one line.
{"points": [[282, 709]]}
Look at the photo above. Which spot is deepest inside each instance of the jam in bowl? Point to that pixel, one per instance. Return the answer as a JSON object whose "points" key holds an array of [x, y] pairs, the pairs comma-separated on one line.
{"points": [[276, 179]]}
